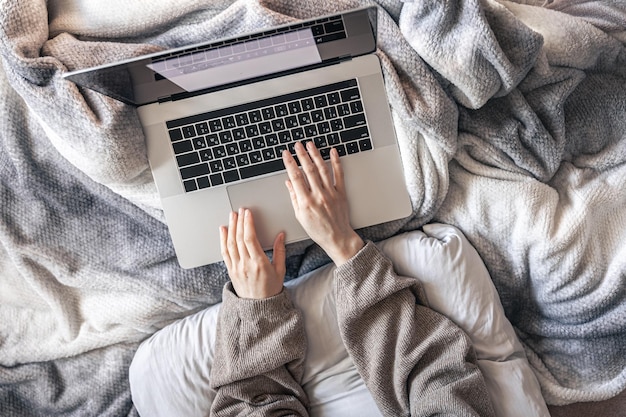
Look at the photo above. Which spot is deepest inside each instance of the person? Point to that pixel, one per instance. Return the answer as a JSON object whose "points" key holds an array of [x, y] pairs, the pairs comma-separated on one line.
{"points": [[413, 360]]}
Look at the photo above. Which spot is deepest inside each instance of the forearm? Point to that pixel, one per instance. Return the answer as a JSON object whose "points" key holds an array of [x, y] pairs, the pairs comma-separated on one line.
{"points": [[259, 352], [413, 360]]}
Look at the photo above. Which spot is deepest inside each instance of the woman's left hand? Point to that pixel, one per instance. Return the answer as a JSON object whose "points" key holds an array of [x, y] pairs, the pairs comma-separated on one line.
{"points": [[250, 270]]}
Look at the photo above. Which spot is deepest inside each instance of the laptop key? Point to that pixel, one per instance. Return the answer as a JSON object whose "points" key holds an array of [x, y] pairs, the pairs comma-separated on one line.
{"points": [[334, 98], [260, 169], [258, 143], [356, 107], [278, 124], [212, 140], [242, 160], [336, 125], [365, 145], [232, 149], [219, 152], [203, 182], [354, 120], [256, 157], [320, 142], [255, 116], [229, 163], [182, 147], [271, 139], [230, 176], [333, 139], [307, 104], [199, 143], [215, 125], [353, 134], [202, 128], [245, 145], [252, 130], [320, 101], [268, 113], [175, 134], [291, 122], [216, 166], [229, 122], [187, 159], [190, 185], [343, 109], [350, 94], [242, 119], [268, 154], [206, 155], [189, 131], [297, 133], [294, 107], [352, 147], [216, 179], [265, 128], [281, 110], [194, 171], [334, 26], [226, 136]]}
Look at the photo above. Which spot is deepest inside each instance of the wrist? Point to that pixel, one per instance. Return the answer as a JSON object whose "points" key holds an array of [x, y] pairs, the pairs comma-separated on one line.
{"points": [[346, 248]]}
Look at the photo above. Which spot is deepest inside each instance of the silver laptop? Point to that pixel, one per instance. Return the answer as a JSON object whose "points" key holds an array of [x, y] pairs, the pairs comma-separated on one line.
{"points": [[218, 115]]}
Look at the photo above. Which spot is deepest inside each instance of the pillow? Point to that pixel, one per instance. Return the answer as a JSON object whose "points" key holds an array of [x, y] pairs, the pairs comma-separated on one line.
{"points": [[456, 284]]}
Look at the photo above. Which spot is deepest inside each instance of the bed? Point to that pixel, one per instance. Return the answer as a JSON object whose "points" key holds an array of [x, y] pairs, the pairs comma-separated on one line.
{"points": [[511, 124]]}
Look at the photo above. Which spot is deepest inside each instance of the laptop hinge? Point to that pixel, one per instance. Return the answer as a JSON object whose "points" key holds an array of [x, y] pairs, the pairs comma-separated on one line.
{"points": [[164, 99]]}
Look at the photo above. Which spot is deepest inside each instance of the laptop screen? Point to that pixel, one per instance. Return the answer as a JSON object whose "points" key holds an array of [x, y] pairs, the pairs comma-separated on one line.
{"points": [[214, 65]]}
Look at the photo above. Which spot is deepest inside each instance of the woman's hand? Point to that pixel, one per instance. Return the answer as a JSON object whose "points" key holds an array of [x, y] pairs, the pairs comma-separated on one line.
{"points": [[250, 270], [320, 203]]}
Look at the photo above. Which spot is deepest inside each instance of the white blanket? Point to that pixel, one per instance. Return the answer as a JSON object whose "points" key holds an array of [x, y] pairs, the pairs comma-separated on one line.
{"points": [[511, 125]]}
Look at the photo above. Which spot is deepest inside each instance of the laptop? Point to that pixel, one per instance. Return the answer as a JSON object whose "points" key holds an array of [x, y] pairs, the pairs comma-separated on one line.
{"points": [[217, 116]]}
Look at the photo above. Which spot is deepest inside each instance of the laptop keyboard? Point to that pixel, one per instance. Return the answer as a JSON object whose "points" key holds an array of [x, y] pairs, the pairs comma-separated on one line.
{"points": [[247, 141]]}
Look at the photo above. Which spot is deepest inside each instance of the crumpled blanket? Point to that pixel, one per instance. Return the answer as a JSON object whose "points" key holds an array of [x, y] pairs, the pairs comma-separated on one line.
{"points": [[511, 125]]}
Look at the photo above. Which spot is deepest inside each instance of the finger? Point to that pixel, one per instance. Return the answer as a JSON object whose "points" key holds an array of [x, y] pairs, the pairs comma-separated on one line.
{"points": [[241, 229], [279, 256], [231, 240], [337, 171], [224, 246], [309, 168], [322, 169], [253, 247], [292, 195], [296, 176]]}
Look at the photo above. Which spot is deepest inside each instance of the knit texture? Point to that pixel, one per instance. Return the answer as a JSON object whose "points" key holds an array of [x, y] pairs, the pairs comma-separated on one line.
{"points": [[414, 361]]}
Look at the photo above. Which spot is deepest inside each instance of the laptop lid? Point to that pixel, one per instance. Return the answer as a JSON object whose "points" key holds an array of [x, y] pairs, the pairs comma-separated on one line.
{"points": [[200, 68]]}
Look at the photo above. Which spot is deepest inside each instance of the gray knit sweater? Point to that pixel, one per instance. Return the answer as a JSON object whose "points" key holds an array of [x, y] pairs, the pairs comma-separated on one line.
{"points": [[414, 361]]}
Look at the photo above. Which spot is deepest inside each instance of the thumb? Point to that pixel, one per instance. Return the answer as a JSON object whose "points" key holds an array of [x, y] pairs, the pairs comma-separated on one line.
{"points": [[280, 254]]}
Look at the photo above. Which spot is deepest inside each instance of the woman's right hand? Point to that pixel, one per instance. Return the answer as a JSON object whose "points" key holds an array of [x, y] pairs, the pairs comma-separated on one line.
{"points": [[320, 203]]}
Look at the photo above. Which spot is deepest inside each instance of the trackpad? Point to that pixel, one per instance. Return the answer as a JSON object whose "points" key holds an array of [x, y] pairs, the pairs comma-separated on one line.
{"points": [[268, 199]]}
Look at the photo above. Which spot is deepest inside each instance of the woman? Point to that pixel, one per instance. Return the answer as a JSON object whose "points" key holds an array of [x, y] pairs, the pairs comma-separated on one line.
{"points": [[413, 360]]}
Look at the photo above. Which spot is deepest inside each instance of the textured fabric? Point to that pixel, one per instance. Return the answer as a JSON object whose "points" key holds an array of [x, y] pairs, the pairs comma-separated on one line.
{"points": [[413, 360], [178, 359], [511, 127]]}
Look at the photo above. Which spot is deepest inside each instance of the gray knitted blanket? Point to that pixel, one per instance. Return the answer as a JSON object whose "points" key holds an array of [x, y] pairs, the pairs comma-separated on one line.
{"points": [[512, 126]]}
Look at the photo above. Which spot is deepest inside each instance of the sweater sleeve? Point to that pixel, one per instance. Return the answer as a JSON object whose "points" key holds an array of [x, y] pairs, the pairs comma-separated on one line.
{"points": [[259, 353], [413, 360]]}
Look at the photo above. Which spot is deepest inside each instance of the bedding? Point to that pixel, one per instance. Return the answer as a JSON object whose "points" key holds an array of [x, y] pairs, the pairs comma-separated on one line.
{"points": [[456, 284], [510, 118]]}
